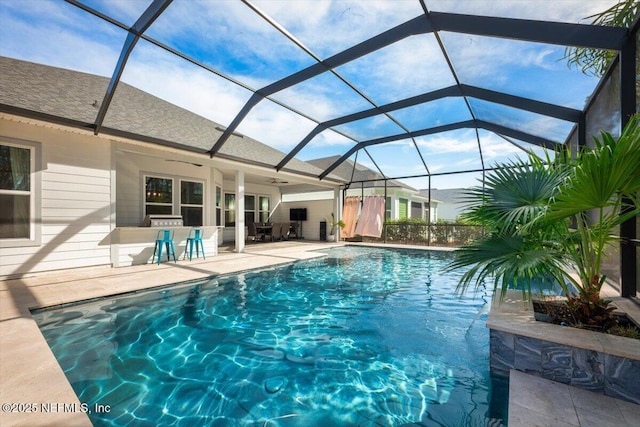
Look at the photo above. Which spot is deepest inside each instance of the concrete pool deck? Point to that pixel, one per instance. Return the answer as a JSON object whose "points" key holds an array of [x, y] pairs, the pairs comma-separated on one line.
{"points": [[38, 393]]}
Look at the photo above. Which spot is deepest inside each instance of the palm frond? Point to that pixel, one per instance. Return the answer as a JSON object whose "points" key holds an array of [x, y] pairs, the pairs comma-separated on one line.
{"points": [[509, 261]]}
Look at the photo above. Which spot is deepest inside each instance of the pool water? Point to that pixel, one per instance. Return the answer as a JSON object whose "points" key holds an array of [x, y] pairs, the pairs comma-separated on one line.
{"points": [[361, 337]]}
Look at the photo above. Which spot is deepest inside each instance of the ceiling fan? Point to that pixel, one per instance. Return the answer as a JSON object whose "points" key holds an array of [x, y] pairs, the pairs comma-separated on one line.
{"points": [[185, 162], [278, 181]]}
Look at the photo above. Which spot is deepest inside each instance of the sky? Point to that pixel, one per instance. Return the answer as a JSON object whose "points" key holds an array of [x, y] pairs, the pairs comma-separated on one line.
{"points": [[248, 53]]}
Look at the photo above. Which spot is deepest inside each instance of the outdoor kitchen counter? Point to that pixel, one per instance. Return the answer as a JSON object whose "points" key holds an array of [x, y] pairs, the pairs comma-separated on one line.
{"points": [[134, 245]]}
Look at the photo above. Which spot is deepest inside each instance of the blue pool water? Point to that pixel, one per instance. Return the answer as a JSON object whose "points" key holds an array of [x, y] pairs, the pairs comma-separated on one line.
{"points": [[361, 337]]}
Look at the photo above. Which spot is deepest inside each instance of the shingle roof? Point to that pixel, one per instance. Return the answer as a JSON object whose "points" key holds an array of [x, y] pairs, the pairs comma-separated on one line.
{"points": [[74, 98], [448, 195]]}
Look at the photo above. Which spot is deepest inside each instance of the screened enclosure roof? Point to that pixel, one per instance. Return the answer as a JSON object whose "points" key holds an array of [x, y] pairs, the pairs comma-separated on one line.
{"points": [[407, 88]]}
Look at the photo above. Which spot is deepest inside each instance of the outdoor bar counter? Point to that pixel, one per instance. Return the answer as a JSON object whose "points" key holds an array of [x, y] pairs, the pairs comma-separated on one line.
{"points": [[134, 245]]}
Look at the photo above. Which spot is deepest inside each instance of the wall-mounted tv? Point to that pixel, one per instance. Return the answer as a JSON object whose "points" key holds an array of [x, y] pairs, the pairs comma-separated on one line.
{"points": [[298, 214]]}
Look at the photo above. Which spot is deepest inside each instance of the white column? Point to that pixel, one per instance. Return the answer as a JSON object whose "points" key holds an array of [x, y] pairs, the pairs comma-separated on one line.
{"points": [[239, 211], [337, 208]]}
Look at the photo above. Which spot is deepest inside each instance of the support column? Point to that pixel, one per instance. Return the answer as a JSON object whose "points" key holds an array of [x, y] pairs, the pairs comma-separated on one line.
{"points": [[240, 211], [628, 260], [337, 209]]}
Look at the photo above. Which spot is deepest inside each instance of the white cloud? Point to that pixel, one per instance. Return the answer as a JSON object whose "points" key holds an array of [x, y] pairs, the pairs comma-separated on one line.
{"points": [[350, 21], [49, 34], [230, 35], [573, 11]]}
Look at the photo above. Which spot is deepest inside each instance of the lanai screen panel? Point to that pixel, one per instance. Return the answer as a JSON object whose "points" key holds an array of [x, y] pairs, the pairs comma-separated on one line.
{"points": [[452, 151], [329, 27], [178, 82], [523, 68], [390, 74], [242, 47], [443, 111], [397, 159], [549, 128], [275, 126], [231, 38], [323, 97], [371, 128], [126, 12], [59, 35]]}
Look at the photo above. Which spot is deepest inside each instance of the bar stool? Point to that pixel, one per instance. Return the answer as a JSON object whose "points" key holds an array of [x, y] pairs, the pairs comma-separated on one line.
{"points": [[195, 237], [164, 238]]}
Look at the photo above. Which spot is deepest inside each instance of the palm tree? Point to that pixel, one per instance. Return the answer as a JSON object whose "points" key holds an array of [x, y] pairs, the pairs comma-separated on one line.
{"points": [[553, 221]]}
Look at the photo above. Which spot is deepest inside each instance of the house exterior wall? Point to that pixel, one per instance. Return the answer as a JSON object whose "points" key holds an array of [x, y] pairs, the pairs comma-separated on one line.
{"points": [[74, 212], [450, 211], [131, 168], [228, 186], [396, 195], [89, 200], [317, 211]]}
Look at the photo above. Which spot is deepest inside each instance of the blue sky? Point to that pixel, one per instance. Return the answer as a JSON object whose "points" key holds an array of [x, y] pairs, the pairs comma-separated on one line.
{"points": [[231, 37]]}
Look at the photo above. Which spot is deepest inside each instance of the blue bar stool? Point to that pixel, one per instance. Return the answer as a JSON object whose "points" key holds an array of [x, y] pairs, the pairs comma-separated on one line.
{"points": [[164, 238], [195, 237]]}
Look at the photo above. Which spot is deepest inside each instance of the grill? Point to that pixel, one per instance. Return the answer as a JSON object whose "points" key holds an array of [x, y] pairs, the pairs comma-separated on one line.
{"points": [[163, 221]]}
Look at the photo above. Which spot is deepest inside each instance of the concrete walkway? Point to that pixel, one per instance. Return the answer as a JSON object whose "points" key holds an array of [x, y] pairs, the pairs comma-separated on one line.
{"points": [[538, 402]]}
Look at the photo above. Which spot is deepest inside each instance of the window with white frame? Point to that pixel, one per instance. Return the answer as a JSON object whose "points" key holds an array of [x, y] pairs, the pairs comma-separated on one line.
{"points": [[229, 209], [387, 209], [249, 208], [252, 204], [160, 198], [264, 208], [218, 205], [16, 191], [192, 203]]}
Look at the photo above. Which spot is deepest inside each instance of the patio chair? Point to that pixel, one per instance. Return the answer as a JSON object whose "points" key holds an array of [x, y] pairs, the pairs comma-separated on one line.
{"points": [[252, 232], [276, 232], [164, 238], [291, 231], [195, 238]]}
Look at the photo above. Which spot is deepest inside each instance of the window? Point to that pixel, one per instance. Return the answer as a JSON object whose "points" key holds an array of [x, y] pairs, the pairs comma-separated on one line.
{"points": [[229, 209], [416, 210], [158, 196], [16, 192], [192, 203], [249, 209], [264, 208], [403, 208], [218, 205], [387, 209], [161, 199]]}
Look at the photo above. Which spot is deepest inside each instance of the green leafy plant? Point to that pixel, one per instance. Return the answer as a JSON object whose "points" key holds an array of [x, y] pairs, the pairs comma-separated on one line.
{"points": [[595, 61], [333, 224], [554, 220]]}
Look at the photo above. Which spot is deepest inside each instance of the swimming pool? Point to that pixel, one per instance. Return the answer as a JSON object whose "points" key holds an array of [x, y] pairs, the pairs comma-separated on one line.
{"points": [[361, 337]]}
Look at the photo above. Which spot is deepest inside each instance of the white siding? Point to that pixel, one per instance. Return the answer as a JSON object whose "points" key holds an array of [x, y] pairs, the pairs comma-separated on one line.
{"points": [[317, 211], [75, 202], [257, 190], [130, 169]]}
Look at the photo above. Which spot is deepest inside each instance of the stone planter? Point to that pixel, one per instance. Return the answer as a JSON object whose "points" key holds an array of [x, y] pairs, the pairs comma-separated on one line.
{"points": [[593, 361]]}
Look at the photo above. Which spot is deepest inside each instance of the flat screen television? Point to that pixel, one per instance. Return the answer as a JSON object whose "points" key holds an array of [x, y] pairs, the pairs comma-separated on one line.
{"points": [[298, 214]]}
